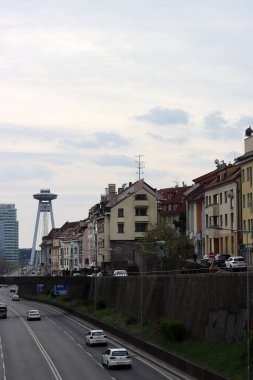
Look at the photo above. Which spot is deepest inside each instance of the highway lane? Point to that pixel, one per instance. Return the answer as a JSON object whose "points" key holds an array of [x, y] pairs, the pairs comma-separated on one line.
{"points": [[54, 348]]}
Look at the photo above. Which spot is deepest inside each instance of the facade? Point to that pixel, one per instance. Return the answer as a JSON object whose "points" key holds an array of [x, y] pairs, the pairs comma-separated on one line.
{"points": [[9, 232], [246, 163], [222, 213], [173, 206]]}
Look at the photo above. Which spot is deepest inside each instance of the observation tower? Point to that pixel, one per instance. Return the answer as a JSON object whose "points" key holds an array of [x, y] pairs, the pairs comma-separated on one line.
{"points": [[44, 207]]}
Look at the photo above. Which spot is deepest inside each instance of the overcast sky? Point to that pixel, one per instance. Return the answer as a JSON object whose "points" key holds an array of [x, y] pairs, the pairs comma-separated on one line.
{"points": [[86, 86]]}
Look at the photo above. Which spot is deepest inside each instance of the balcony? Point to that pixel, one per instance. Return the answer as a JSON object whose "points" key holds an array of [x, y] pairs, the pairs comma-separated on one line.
{"points": [[213, 231], [213, 209]]}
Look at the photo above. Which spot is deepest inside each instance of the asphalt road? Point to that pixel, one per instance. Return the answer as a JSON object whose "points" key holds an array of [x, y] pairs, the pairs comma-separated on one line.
{"points": [[54, 348]]}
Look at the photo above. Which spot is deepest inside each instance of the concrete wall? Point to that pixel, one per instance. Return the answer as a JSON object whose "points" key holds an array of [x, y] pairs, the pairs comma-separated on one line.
{"points": [[212, 306]]}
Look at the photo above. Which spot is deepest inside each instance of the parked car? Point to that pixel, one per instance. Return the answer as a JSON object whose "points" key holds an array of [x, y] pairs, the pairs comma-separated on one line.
{"points": [[220, 260], [236, 263], [120, 273], [116, 357], [15, 297], [3, 310], [96, 337], [33, 315]]}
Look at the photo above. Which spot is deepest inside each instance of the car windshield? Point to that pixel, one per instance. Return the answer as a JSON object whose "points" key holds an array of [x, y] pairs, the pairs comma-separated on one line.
{"points": [[119, 353]]}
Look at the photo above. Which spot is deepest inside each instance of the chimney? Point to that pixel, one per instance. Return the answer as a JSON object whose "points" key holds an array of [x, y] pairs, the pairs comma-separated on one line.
{"points": [[112, 188]]}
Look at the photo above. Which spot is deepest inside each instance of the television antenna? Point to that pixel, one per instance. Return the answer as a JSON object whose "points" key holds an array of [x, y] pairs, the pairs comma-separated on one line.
{"points": [[140, 166]]}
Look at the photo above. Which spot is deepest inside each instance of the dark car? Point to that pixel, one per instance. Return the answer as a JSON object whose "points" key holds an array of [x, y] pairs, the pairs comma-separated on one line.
{"points": [[220, 260], [3, 310]]}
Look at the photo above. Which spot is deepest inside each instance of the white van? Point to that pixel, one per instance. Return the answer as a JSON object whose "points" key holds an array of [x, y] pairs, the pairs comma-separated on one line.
{"points": [[120, 273]]}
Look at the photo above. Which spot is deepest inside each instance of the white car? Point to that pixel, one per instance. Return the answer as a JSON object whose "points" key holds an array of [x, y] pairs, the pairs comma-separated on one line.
{"points": [[96, 337], [120, 273], [235, 262], [15, 297], [116, 357], [33, 315]]}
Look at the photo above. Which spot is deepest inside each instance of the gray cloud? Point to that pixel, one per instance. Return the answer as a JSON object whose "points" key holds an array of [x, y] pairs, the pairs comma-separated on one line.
{"points": [[63, 138], [114, 160], [164, 116], [99, 139], [166, 140], [216, 126]]}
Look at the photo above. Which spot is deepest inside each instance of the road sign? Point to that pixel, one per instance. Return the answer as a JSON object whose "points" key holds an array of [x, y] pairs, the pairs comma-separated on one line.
{"points": [[60, 289]]}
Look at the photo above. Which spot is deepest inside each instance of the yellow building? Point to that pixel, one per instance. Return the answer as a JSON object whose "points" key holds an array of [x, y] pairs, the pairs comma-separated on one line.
{"points": [[246, 162]]}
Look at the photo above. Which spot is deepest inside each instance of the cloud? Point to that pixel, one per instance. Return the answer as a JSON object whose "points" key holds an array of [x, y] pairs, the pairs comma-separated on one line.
{"points": [[166, 140], [217, 127], [114, 160], [98, 140], [164, 116]]}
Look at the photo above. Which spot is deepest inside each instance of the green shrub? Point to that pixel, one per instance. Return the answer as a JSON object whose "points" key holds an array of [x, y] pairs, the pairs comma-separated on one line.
{"points": [[173, 329], [131, 320], [101, 304]]}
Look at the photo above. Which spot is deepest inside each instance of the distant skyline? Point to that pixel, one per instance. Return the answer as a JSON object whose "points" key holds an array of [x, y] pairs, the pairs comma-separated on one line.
{"points": [[87, 86]]}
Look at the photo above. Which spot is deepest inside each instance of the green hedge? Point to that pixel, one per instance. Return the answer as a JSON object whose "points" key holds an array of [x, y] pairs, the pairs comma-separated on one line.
{"points": [[173, 329]]}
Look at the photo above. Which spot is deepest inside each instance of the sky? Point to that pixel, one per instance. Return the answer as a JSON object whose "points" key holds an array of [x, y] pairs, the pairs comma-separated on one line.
{"points": [[90, 87]]}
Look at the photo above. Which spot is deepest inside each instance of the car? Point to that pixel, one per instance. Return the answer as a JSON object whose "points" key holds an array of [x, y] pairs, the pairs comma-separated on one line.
{"points": [[3, 310], [116, 357], [96, 337], [12, 290], [220, 260], [120, 273], [236, 262], [33, 315], [15, 297]]}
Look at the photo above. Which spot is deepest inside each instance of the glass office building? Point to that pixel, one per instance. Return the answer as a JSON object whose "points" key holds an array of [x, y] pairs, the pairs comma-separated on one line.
{"points": [[9, 232]]}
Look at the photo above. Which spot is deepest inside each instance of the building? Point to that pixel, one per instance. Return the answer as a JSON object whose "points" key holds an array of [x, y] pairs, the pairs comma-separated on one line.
{"points": [[173, 207], [9, 233], [246, 164]]}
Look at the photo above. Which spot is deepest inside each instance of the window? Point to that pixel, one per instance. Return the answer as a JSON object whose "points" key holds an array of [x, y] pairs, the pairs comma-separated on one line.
{"points": [[140, 211], [232, 219], [215, 199], [226, 219], [243, 176], [206, 201], [221, 220], [220, 198], [226, 199], [206, 220], [140, 197], [141, 227], [120, 212], [243, 201], [120, 228]]}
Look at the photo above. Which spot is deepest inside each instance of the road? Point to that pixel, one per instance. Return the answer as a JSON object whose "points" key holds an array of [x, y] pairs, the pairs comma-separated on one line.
{"points": [[54, 348]]}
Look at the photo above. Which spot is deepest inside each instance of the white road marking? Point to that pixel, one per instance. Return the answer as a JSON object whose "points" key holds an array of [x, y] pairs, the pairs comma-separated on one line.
{"points": [[53, 368], [2, 356]]}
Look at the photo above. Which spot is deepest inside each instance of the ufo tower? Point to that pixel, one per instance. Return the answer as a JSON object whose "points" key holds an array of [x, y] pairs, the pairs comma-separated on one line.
{"points": [[44, 208]]}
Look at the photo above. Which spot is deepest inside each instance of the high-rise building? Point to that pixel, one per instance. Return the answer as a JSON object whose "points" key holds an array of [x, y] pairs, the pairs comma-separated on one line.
{"points": [[9, 232]]}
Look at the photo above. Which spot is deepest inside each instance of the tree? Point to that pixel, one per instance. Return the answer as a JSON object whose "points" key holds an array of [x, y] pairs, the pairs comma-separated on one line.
{"points": [[168, 245]]}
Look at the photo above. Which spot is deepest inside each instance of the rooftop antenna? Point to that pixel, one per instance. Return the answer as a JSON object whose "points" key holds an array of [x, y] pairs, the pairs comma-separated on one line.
{"points": [[140, 166]]}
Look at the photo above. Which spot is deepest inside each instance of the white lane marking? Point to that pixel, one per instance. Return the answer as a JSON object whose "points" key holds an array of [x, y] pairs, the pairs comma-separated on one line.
{"points": [[2, 356], [53, 368], [89, 326]]}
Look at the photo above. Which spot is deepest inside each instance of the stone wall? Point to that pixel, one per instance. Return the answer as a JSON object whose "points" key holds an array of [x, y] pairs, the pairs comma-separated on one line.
{"points": [[212, 306]]}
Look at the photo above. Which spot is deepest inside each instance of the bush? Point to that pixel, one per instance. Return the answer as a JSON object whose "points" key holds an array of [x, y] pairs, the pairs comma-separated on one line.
{"points": [[173, 329], [131, 320], [101, 304]]}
